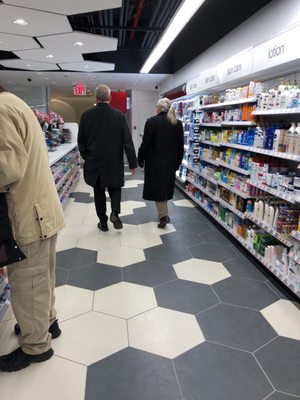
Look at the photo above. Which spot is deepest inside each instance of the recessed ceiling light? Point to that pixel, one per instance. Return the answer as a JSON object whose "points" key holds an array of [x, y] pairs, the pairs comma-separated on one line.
{"points": [[50, 56], [28, 65], [47, 78], [20, 21], [80, 44], [86, 66]]}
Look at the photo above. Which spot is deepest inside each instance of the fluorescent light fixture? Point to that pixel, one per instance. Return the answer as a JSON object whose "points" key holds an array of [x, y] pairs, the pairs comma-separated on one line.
{"points": [[181, 18], [20, 21], [80, 44], [50, 56]]}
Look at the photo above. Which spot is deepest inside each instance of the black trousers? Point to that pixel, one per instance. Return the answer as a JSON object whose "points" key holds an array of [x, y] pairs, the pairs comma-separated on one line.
{"points": [[100, 201]]}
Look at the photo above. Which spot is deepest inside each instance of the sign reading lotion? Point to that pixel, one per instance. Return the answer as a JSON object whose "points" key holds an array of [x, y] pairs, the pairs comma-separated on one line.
{"points": [[279, 50]]}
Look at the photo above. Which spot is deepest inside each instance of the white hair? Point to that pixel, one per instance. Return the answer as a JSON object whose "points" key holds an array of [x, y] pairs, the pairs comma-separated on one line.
{"points": [[165, 105], [102, 92]]}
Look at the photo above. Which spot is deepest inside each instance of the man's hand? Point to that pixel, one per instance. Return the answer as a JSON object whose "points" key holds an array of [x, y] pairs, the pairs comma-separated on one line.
{"points": [[2, 271], [133, 171]]}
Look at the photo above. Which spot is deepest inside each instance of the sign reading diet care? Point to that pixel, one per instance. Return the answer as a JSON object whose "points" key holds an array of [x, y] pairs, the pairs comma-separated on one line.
{"points": [[209, 78], [193, 86], [236, 67], [279, 50]]}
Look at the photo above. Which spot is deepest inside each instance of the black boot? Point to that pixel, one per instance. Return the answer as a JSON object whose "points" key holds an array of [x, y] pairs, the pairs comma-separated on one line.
{"points": [[103, 226], [117, 223], [17, 360], [53, 329], [163, 222]]}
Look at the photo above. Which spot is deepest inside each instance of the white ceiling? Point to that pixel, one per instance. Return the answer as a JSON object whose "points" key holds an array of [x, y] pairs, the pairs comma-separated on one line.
{"points": [[10, 42], [67, 79], [91, 43], [59, 56], [87, 66], [67, 7], [29, 65], [39, 23]]}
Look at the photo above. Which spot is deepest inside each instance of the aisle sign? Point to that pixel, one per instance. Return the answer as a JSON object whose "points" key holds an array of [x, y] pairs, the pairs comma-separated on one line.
{"points": [[236, 67], [279, 50], [193, 86], [209, 78], [79, 89]]}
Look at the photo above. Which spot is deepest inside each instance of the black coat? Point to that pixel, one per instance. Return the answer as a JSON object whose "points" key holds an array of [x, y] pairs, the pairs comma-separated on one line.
{"points": [[161, 153], [102, 138]]}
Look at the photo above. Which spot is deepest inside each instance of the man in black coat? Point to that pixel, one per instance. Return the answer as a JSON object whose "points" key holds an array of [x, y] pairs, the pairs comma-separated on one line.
{"points": [[102, 138]]}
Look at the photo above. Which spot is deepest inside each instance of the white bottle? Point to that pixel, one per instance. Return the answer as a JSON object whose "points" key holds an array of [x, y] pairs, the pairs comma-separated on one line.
{"points": [[256, 207], [296, 139], [266, 213], [290, 138], [275, 220], [260, 212], [271, 214]]}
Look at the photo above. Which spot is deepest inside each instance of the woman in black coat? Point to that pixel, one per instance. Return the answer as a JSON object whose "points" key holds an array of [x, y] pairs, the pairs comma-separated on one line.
{"points": [[161, 153]]}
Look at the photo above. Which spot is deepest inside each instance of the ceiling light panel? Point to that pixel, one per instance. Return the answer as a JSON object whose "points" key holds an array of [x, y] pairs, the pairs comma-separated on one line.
{"points": [[39, 23], [28, 65], [10, 42], [45, 55], [67, 7], [87, 66], [90, 43]]}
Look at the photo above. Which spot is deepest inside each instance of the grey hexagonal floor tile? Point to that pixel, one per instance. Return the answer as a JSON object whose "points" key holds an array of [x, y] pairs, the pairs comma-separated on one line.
{"points": [[245, 293], [152, 377], [167, 254], [95, 276], [211, 371], [281, 396], [149, 273], [61, 276], [280, 361], [74, 258], [181, 239], [215, 237], [193, 227], [185, 296], [244, 268], [213, 252], [236, 327]]}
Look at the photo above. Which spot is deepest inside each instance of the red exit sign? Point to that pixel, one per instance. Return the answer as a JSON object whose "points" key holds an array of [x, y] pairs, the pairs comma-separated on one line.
{"points": [[79, 89]]}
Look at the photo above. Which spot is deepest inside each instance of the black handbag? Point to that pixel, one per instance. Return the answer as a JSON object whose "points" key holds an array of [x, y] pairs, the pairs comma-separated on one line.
{"points": [[9, 250], [10, 253]]}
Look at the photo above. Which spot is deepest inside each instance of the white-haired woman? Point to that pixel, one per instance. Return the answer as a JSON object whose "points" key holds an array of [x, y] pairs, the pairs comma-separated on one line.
{"points": [[161, 153]]}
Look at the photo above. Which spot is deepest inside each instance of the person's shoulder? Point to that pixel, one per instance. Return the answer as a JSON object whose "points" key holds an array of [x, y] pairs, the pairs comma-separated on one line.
{"points": [[152, 119]]}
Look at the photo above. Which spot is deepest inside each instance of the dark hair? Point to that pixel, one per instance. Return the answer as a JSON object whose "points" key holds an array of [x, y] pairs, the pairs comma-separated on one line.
{"points": [[2, 89]]}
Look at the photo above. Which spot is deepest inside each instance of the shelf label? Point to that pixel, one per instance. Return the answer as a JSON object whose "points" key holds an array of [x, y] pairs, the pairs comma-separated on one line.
{"points": [[209, 78], [279, 50], [193, 86], [235, 67]]}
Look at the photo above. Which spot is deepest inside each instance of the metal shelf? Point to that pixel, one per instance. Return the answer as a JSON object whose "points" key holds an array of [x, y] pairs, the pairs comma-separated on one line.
{"points": [[239, 170], [270, 230], [238, 123], [259, 257], [211, 124], [210, 143], [290, 198], [295, 235], [210, 161], [277, 111], [228, 103]]}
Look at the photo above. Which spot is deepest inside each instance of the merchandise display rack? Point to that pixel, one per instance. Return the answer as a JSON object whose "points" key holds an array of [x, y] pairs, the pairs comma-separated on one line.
{"points": [[287, 240]]}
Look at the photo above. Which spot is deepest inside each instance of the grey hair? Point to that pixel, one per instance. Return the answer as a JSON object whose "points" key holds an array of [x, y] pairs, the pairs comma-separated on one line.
{"points": [[166, 106], [102, 92]]}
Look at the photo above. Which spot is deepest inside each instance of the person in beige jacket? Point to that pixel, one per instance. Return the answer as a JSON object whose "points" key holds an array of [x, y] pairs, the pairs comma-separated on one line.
{"points": [[36, 216]]}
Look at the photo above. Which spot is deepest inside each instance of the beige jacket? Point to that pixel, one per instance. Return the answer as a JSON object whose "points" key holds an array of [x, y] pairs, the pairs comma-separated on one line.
{"points": [[34, 207]]}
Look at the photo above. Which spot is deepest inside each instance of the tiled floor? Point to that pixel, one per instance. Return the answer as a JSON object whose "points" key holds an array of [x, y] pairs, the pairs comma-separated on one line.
{"points": [[149, 314]]}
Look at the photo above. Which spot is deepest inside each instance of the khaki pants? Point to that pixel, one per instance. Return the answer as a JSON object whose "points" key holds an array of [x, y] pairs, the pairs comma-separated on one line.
{"points": [[162, 209], [32, 283]]}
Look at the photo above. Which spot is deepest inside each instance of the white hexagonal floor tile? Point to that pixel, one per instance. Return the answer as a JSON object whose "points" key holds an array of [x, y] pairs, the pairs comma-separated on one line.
{"points": [[131, 204], [79, 231], [133, 183], [76, 209], [8, 340], [284, 317], [98, 242], [91, 337], [72, 301], [151, 227], [201, 271], [124, 299], [65, 243], [183, 203], [121, 256], [164, 332], [141, 240], [55, 379], [71, 220]]}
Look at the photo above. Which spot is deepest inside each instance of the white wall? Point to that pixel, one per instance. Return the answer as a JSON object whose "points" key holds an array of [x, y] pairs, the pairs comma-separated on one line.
{"points": [[143, 107], [276, 17], [35, 96]]}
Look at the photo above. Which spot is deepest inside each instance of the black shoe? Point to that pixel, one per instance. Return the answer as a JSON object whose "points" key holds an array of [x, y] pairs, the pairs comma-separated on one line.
{"points": [[53, 329], [114, 218], [163, 222], [103, 227], [18, 360]]}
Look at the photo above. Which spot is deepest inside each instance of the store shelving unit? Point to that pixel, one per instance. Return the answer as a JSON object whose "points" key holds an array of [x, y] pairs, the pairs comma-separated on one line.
{"points": [[287, 197], [230, 103], [233, 168], [277, 111]]}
